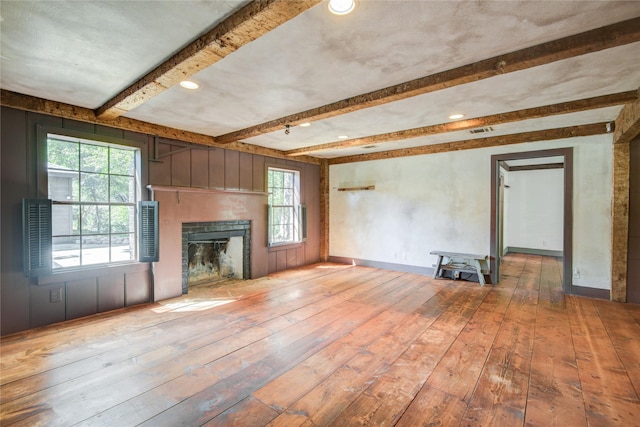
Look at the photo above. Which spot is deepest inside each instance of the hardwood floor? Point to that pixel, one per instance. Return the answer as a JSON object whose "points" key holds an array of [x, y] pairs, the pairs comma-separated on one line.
{"points": [[337, 345]]}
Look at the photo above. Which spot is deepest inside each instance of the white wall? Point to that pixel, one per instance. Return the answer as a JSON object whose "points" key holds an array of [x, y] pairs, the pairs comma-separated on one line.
{"points": [[442, 202], [534, 209]]}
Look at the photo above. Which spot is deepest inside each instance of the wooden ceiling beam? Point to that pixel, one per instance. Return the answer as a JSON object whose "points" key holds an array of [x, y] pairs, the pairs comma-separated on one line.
{"points": [[72, 112], [492, 120], [494, 141], [610, 36], [627, 125], [249, 23]]}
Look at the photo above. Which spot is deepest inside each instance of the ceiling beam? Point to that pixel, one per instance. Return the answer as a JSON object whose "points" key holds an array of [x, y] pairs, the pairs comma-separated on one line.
{"points": [[492, 120], [618, 34], [72, 112], [494, 141], [627, 125], [249, 23]]}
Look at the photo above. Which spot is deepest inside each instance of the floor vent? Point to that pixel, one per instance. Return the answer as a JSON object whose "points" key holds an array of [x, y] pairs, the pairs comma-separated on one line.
{"points": [[481, 130]]}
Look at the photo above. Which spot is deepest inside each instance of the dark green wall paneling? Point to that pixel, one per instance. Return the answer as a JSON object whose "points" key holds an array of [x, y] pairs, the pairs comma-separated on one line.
{"points": [[27, 304]]}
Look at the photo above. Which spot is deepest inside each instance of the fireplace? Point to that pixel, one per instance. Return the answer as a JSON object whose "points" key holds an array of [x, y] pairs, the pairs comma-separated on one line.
{"points": [[214, 251]]}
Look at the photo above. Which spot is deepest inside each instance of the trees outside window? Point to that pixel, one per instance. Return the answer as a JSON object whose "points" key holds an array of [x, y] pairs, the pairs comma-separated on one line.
{"points": [[94, 190], [284, 206]]}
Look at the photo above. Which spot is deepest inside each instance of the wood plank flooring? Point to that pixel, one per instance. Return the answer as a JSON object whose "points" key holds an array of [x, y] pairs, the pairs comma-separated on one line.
{"points": [[337, 345]]}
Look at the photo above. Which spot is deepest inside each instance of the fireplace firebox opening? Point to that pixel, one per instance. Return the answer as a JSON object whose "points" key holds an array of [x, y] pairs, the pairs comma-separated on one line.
{"points": [[215, 251]]}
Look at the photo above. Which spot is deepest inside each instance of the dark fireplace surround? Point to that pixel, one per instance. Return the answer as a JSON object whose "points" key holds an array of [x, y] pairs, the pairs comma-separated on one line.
{"points": [[212, 231]]}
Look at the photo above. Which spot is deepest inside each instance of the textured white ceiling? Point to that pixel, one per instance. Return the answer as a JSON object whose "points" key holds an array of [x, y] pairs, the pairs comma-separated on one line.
{"points": [[85, 52]]}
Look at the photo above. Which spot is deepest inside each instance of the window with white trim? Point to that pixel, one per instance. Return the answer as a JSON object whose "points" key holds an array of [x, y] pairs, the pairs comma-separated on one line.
{"points": [[94, 188], [286, 214]]}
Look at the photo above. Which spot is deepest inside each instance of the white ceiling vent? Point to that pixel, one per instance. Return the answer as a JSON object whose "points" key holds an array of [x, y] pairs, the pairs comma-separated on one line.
{"points": [[481, 130]]}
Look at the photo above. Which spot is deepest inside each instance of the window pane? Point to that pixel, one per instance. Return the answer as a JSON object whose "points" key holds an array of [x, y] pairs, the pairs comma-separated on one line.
{"points": [[122, 189], [66, 252], [122, 219], [287, 197], [288, 180], [64, 220], [94, 187], [63, 185], [95, 220], [94, 158], [122, 162], [62, 154], [277, 197], [122, 247], [95, 250]]}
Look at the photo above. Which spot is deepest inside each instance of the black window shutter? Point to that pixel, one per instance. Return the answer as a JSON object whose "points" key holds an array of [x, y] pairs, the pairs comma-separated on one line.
{"points": [[269, 219], [149, 245], [303, 221], [36, 237]]}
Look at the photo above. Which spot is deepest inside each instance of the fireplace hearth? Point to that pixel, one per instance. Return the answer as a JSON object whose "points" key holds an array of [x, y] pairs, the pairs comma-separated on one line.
{"points": [[215, 251]]}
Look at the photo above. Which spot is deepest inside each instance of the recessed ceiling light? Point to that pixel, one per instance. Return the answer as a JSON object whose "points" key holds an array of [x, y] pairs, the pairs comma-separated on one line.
{"points": [[341, 7], [304, 125], [343, 137], [188, 84], [456, 116]]}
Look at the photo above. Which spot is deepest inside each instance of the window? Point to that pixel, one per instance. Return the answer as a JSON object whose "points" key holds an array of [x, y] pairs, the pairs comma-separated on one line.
{"points": [[285, 211], [94, 191]]}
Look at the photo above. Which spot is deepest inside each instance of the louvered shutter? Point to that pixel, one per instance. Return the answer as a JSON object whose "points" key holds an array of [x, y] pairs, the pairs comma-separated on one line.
{"points": [[303, 222], [36, 236], [148, 227], [269, 226]]}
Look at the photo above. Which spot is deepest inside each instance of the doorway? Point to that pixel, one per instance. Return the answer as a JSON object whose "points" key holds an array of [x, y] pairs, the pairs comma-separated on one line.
{"points": [[497, 208]]}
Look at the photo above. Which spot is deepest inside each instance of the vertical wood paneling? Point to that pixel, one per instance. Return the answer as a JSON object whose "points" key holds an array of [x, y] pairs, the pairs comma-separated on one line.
{"points": [[142, 141], [26, 305], [43, 311], [246, 171], [231, 170], [80, 126], [273, 262], [110, 292], [281, 260], [259, 173], [199, 168], [82, 298], [36, 155], [109, 131], [14, 293], [160, 171], [216, 168], [292, 258], [181, 168], [137, 287]]}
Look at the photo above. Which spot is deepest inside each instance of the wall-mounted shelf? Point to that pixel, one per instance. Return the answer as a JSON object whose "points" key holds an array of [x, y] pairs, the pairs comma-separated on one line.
{"points": [[365, 188]]}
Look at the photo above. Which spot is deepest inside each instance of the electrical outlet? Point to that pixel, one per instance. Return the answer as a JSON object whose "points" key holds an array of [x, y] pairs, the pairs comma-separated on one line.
{"points": [[55, 295], [576, 273]]}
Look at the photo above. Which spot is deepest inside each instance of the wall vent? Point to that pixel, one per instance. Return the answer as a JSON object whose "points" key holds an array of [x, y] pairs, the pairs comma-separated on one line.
{"points": [[481, 130], [369, 147]]}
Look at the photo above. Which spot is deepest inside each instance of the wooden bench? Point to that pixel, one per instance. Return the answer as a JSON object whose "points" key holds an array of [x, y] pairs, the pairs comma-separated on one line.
{"points": [[464, 263]]}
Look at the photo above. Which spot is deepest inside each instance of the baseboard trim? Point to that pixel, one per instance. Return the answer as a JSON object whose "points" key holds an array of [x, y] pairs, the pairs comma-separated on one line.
{"points": [[427, 271], [528, 251], [585, 291]]}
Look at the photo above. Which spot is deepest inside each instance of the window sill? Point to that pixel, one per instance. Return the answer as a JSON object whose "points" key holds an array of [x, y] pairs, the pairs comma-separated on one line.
{"points": [[89, 272], [286, 245]]}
